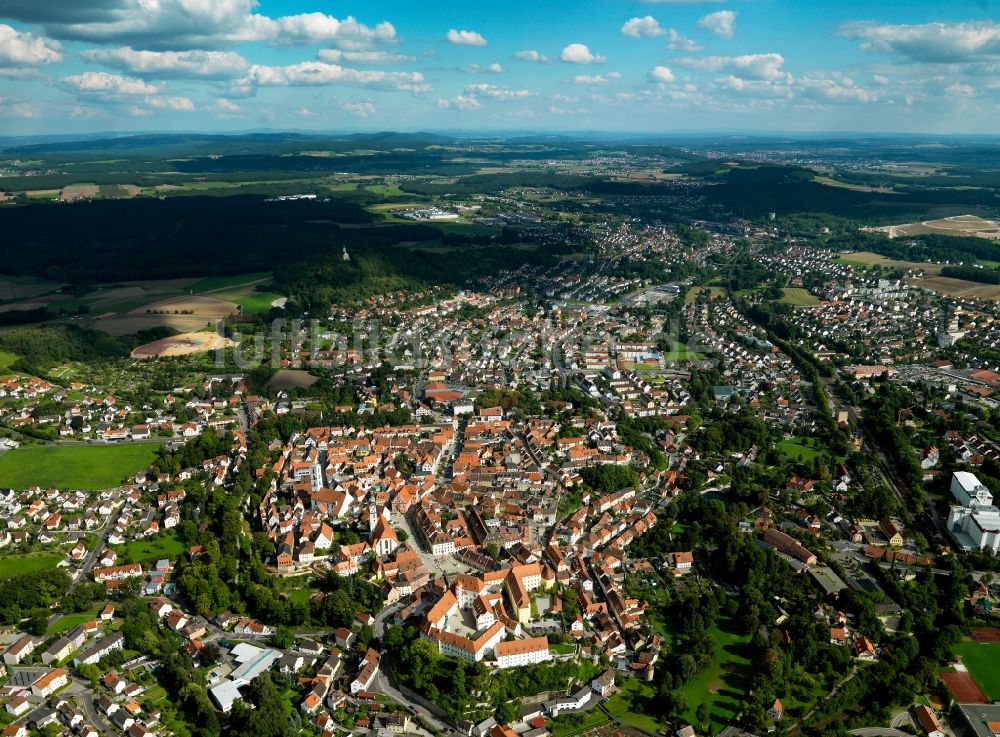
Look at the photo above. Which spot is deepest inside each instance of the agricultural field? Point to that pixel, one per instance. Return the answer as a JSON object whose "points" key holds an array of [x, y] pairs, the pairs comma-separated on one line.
{"points": [[831, 182], [252, 300], [958, 287], [7, 360], [186, 313], [963, 225], [183, 345], [867, 259], [798, 297], [13, 564], [980, 658], [87, 467]]}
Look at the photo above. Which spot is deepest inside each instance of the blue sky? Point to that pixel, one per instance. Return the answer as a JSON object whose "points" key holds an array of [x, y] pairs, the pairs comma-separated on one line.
{"points": [[547, 65]]}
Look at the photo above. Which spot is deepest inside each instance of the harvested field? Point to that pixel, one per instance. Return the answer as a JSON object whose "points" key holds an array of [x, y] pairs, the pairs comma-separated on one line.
{"points": [[186, 314], [958, 287], [79, 192], [964, 688], [867, 258], [35, 302], [292, 379], [964, 225], [18, 288], [182, 345]]}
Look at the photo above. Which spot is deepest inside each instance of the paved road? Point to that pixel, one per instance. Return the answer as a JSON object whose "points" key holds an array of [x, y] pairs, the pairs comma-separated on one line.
{"points": [[94, 555], [879, 732]]}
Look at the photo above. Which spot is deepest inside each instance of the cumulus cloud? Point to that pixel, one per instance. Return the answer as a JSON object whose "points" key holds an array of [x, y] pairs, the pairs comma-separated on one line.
{"points": [[464, 38], [497, 92], [678, 42], [661, 74], [223, 105], [530, 55], [187, 24], [957, 89], [18, 48], [304, 112], [322, 73], [106, 83], [597, 79], [459, 102], [722, 23], [170, 103], [746, 66], [577, 53], [364, 57], [645, 27], [208, 64], [928, 42], [363, 109], [493, 68], [12, 108]]}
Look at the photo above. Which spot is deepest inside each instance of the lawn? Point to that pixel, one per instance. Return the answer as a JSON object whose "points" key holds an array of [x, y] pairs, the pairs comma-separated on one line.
{"points": [[569, 726], [723, 684], [633, 702], [86, 467], [14, 564], [798, 297], [163, 545], [804, 450], [562, 649], [680, 352], [981, 660], [68, 621], [710, 292]]}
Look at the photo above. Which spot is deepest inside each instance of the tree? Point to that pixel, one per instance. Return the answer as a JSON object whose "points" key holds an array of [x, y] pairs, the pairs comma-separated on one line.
{"points": [[507, 713]]}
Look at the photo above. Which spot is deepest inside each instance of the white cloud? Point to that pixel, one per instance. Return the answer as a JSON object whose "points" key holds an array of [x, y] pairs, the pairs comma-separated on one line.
{"points": [[596, 78], [746, 66], [12, 108], [493, 68], [880, 79], [661, 74], [189, 24], [579, 54], [227, 106], [364, 57], [529, 55], [170, 103], [957, 89], [460, 102], [304, 112], [929, 42], [678, 42], [322, 73], [103, 82], [645, 27], [464, 38], [496, 92], [210, 64], [18, 48], [363, 109], [722, 23]]}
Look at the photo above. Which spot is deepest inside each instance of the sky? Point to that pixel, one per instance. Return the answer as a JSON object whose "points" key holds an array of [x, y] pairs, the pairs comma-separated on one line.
{"points": [[651, 66]]}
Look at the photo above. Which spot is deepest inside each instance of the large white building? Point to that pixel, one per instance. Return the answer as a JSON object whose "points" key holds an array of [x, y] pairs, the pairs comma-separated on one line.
{"points": [[974, 522], [522, 652]]}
